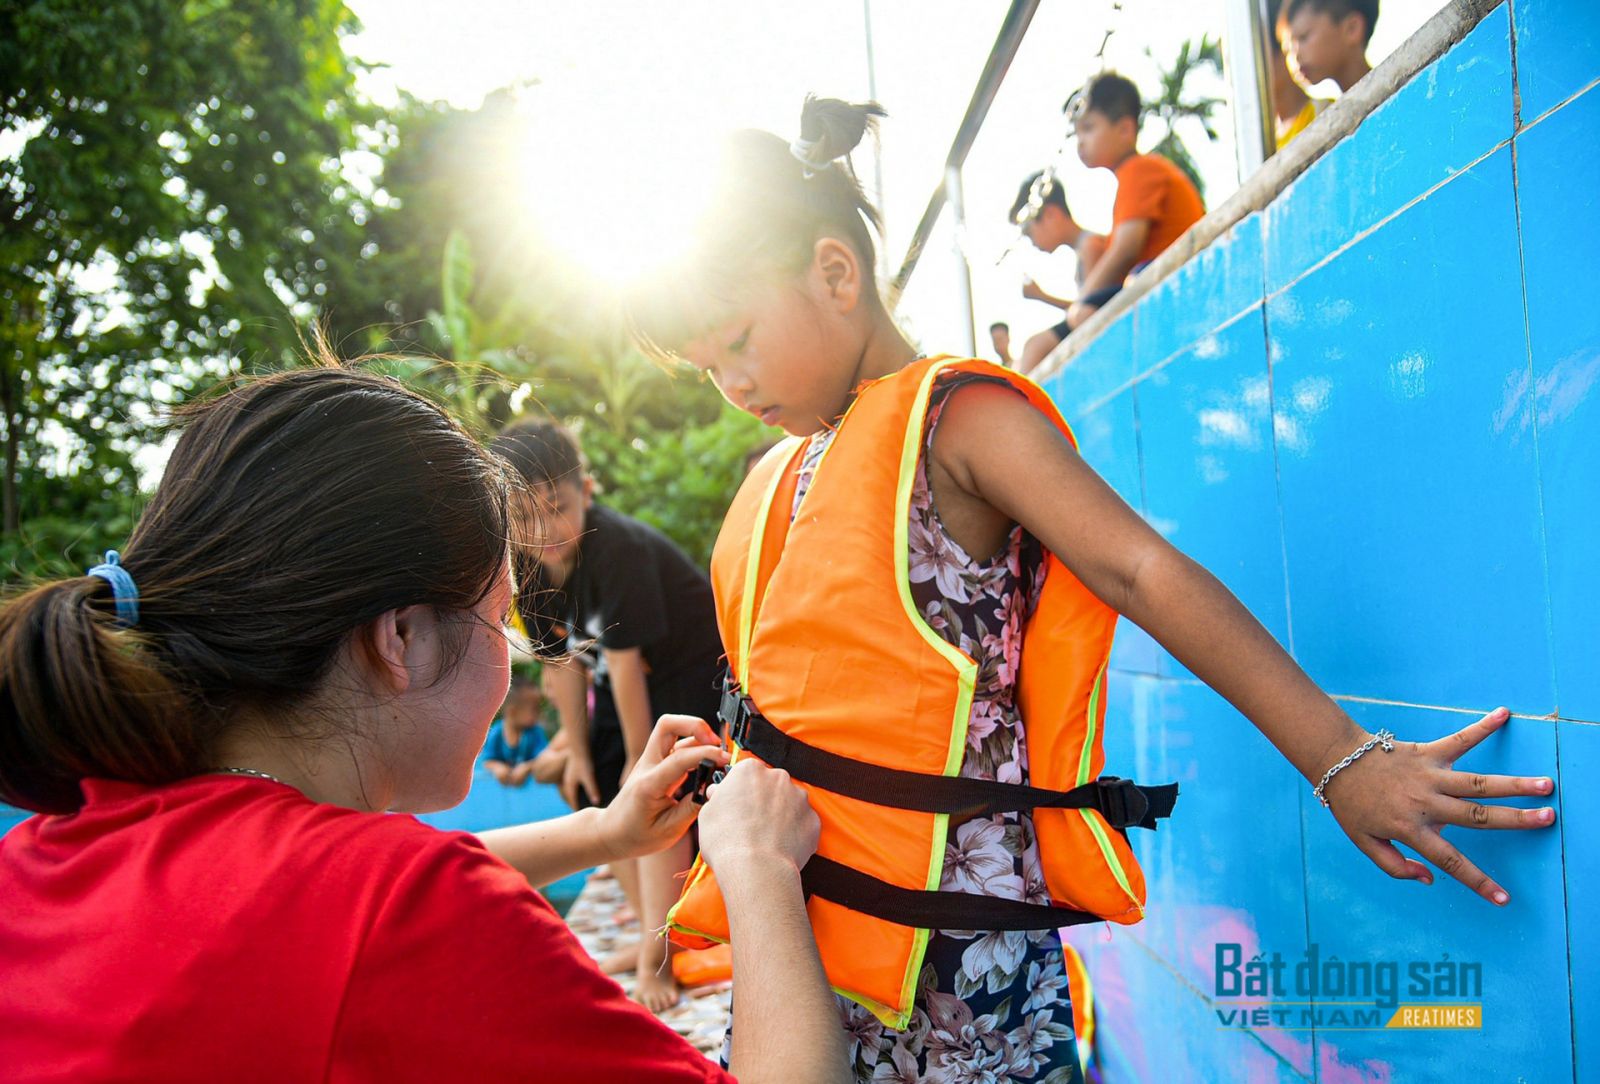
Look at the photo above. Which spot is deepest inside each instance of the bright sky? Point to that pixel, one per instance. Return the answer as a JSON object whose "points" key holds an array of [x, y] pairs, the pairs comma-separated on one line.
{"points": [[624, 86]]}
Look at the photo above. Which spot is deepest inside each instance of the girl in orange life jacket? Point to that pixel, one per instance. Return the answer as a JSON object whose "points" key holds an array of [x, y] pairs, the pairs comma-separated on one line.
{"points": [[778, 305]]}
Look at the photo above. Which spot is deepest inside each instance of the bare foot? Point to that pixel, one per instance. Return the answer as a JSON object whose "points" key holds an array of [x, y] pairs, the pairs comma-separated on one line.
{"points": [[623, 958], [624, 915], [656, 991]]}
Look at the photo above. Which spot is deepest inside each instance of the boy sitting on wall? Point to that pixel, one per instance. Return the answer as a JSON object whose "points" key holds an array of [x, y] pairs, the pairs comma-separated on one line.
{"points": [[1040, 210], [1330, 39], [1155, 201]]}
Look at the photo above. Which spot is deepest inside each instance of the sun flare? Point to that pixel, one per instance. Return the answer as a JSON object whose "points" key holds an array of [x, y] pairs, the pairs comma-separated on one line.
{"points": [[613, 186]]}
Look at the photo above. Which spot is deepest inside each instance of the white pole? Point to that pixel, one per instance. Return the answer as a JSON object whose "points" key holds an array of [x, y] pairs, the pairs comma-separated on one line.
{"points": [[958, 212], [1244, 48]]}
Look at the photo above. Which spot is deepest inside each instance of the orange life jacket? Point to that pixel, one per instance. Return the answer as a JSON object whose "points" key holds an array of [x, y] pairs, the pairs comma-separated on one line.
{"points": [[826, 643]]}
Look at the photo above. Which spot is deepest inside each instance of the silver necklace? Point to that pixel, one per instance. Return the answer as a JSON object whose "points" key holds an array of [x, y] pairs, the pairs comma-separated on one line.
{"points": [[250, 772]]}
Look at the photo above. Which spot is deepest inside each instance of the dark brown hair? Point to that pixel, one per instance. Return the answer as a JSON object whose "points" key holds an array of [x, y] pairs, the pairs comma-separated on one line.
{"points": [[295, 509], [541, 450], [1339, 11], [1111, 95], [765, 212]]}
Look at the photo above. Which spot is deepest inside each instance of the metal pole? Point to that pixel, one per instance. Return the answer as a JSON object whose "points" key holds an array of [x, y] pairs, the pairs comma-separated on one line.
{"points": [[877, 147], [958, 209], [1245, 53], [1005, 48]]}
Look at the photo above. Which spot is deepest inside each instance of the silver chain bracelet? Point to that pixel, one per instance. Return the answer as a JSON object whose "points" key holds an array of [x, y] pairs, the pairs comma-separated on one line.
{"points": [[1384, 738]]}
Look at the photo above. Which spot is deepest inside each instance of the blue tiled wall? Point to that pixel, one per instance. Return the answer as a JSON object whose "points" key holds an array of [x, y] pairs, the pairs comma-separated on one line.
{"points": [[1373, 410]]}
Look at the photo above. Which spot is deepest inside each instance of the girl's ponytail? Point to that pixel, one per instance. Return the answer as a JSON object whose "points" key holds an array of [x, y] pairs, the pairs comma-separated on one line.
{"points": [[80, 696], [768, 201], [830, 129]]}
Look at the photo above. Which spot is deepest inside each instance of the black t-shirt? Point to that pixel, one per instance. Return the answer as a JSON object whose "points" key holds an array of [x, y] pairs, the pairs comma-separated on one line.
{"points": [[631, 586]]}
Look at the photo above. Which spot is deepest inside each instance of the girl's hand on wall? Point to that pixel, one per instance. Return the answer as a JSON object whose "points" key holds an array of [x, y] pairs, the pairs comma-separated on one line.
{"points": [[646, 817], [757, 813], [1409, 794]]}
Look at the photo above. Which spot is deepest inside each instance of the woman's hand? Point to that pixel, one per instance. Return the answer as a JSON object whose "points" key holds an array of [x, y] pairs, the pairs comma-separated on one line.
{"points": [[756, 812], [1408, 794], [645, 817]]}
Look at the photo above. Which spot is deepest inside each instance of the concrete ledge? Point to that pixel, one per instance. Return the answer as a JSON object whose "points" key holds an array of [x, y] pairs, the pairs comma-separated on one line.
{"points": [[1429, 43]]}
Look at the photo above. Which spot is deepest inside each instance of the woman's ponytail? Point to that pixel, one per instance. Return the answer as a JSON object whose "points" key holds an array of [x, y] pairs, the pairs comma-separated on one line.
{"points": [[295, 509], [80, 696]]}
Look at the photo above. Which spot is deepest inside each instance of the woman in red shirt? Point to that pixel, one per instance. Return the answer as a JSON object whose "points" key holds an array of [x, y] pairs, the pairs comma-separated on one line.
{"points": [[304, 633]]}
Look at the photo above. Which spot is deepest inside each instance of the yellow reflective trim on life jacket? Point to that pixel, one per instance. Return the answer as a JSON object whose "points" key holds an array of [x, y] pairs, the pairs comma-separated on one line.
{"points": [[752, 567], [965, 667], [1096, 826]]}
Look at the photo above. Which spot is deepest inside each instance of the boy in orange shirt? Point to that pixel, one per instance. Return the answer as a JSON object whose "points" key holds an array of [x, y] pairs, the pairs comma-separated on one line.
{"points": [[1155, 201]]}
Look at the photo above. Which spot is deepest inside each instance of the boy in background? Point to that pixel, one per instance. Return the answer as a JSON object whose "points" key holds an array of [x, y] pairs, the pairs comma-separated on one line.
{"points": [[1000, 336], [1330, 39], [1040, 211], [592, 580], [1155, 201], [1293, 109], [517, 750]]}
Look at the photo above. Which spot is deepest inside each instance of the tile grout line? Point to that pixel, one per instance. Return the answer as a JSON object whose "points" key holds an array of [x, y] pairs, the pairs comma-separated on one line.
{"points": [[1559, 106], [1099, 401], [1544, 533], [1288, 606], [1384, 702], [1268, 296], [1385, 220], [1184, 980]]}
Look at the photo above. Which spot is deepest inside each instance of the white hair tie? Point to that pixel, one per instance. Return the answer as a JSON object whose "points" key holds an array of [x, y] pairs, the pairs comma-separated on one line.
{"points": [[801, 149]]}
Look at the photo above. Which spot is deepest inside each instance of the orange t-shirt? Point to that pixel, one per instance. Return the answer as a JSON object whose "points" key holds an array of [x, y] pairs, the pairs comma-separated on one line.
{"points": [[1151, 187]]}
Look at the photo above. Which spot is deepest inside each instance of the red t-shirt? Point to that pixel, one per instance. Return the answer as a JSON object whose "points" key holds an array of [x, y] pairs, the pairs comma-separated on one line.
{"points": [[1151, 187], [226, 928]]}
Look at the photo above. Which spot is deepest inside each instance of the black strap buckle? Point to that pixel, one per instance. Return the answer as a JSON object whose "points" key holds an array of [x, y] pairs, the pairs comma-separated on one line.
{"points": [[734, 711], [1122, 803], [695, 783]]}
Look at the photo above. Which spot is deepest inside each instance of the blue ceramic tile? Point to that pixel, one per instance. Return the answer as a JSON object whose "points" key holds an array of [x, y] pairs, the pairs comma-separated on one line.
{"points": [[1406, 466], [1580, 812], [1108, 441], [1558, 51], [1154, 1027], [1210, 483], [1215, 286], [1358, 913], [1227, 868], [1557, 162], [1453, 112], [1102, 368], [1134, 652], [1135, 742]]}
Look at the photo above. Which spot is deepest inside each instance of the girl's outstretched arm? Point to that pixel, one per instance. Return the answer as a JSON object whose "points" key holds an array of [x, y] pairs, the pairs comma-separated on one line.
{"points": [[987, 433]]}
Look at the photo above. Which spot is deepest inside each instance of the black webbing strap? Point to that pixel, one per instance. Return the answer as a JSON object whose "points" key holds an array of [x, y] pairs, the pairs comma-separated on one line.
{"points": [[1123, 803], [930, 910]]}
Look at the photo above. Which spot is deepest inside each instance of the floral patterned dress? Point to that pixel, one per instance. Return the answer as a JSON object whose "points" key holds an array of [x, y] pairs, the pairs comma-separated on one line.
{"points": [[992, 1006]]}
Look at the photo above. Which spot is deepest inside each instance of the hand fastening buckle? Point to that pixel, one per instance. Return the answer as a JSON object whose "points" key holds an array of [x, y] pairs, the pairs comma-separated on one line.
{"points": [[695, 783]]}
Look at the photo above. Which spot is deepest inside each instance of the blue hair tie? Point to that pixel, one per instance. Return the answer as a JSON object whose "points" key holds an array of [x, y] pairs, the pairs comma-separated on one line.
{"points": [[122, 587]]}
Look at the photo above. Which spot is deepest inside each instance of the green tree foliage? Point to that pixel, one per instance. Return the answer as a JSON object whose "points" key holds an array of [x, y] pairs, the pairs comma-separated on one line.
{"points": [[187, 186], [1175, 105], [175, 187]]}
